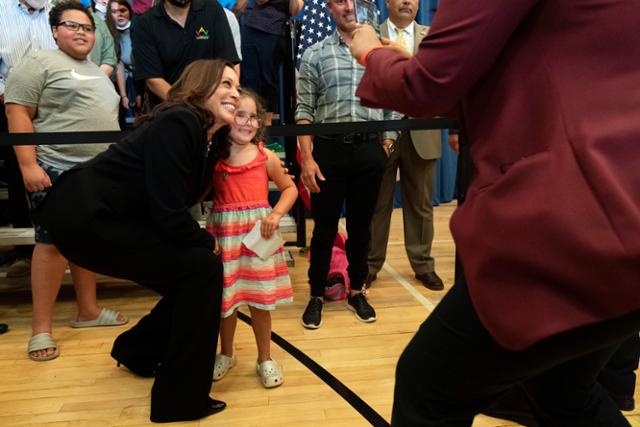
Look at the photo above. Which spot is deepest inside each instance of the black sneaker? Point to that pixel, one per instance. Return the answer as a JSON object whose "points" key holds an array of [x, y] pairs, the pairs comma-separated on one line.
{"points": [[361, 308], [312, 316]]}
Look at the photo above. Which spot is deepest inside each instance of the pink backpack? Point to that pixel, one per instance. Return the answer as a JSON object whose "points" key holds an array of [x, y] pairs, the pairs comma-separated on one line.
{"points": [[337, 287]]}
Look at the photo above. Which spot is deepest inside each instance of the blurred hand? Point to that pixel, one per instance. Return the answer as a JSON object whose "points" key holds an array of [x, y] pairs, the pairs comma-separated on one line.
{"points": [[389, 146], [35, 178], [216, 248], [125, 102], [286, 170], [240, 7], [364, 37], [395, 47], [311, 170], [269, 224]]}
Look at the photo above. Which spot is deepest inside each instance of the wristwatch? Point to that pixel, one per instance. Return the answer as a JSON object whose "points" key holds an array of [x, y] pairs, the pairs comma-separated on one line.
{"points": [[391, 147]]}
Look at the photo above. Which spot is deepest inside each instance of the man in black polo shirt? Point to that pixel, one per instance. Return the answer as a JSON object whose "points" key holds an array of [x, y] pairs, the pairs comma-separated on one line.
{"points": [[175, 33]]}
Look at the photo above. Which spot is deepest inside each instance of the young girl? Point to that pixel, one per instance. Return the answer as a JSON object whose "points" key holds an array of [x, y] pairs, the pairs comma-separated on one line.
{"points": [[241, 180]]}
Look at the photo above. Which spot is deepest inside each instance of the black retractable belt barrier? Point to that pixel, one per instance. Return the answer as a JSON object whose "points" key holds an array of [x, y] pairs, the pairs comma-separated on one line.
{"points": [[54, 138], [57, 138]]}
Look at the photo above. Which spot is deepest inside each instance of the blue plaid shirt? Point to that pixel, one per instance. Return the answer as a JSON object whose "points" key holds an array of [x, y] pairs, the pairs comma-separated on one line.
{"points": [[327, 83]]}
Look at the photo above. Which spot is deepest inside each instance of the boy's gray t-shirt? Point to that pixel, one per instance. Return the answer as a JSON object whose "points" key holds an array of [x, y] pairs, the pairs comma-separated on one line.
{"points": [[70, 95]]}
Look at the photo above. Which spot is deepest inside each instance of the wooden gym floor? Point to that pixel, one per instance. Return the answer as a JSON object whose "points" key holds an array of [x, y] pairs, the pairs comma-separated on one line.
{"points": [[83, 387]]}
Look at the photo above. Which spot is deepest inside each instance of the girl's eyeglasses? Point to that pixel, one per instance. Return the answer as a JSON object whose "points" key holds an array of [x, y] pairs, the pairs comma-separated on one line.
{"points": [[243, 119]]}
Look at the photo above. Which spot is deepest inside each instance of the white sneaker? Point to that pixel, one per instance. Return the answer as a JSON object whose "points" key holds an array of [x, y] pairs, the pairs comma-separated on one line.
{"points": [[269, 373], [222, 365]]}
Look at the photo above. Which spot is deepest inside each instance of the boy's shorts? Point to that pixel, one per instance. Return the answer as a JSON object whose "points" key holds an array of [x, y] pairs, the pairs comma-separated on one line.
{"points": [[42, 235]]}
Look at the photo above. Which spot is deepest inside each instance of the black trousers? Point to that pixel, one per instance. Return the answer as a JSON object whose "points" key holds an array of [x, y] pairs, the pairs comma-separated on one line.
{"points": [[453, 369], [353, 172], [618, 375], [181, 331], [617, 378]]}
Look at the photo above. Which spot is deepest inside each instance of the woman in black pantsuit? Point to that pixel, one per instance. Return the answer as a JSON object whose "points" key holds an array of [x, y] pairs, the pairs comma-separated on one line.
{"points": [[125, 214]]}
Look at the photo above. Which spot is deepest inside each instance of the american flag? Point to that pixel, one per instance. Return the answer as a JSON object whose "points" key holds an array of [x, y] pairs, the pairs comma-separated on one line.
{"points": [[317, 24]]}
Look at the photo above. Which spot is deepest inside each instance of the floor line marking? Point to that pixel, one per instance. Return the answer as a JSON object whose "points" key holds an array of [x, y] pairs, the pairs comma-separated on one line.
{"points": [[403, 282], [409, 287], [356, 402]]}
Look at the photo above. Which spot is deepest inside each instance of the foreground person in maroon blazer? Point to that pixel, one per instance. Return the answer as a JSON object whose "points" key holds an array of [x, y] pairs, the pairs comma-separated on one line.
{"points": [[548, 235]]}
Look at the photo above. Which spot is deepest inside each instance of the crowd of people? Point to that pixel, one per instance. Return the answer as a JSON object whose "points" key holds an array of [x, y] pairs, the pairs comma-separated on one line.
{"points": [[524, 313]]}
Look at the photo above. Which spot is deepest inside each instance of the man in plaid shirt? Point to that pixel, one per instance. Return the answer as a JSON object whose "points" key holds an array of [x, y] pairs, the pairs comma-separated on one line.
{"points": [[341, 168]]}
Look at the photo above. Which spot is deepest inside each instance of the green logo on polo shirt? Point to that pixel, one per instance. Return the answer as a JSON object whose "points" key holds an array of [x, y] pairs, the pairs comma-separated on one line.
{"points": [[202, 34]]}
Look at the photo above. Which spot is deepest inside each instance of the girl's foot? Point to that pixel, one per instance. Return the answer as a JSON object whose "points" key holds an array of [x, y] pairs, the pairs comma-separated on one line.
{"points": [[269, 373], [222, 365]]}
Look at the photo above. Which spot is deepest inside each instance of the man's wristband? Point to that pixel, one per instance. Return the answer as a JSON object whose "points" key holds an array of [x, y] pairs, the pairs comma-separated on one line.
{"points": [[391, 146], [363, 57]]}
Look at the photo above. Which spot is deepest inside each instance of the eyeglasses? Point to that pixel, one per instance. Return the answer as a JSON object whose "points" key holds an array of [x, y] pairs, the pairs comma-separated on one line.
{"points": [[74, 26], [243, 119]]}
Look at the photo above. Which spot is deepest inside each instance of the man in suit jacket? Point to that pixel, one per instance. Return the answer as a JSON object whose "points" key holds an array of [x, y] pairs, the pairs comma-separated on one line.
{"points": [[415, 154], [548, 232]]}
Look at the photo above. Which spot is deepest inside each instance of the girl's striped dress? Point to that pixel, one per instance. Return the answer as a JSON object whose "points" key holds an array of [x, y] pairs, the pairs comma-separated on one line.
{"points": [[240, 199]]}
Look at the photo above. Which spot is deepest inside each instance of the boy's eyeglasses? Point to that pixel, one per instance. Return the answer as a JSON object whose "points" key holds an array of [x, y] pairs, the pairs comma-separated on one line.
{"points": [[74, 26], [243, 119]]}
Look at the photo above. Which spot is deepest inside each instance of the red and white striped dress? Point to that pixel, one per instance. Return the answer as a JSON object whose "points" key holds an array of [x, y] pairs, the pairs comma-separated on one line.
{"points": [[240, 199]]}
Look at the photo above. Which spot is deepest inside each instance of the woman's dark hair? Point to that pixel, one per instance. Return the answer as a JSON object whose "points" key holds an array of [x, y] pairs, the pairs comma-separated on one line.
{"points": [[55, 15], [111, 24], [222, 145], [192, 90]]}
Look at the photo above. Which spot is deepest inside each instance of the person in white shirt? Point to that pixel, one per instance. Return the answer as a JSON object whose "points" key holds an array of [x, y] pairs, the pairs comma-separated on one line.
{"points": [[24, 28]]}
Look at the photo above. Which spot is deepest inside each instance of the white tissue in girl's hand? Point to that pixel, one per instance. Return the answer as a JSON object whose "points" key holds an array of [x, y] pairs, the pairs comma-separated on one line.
{"points": [[262, 247]]}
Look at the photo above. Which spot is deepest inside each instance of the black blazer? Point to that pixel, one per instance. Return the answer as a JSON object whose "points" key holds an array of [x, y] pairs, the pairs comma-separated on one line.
{"points": [[148, 179]]}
